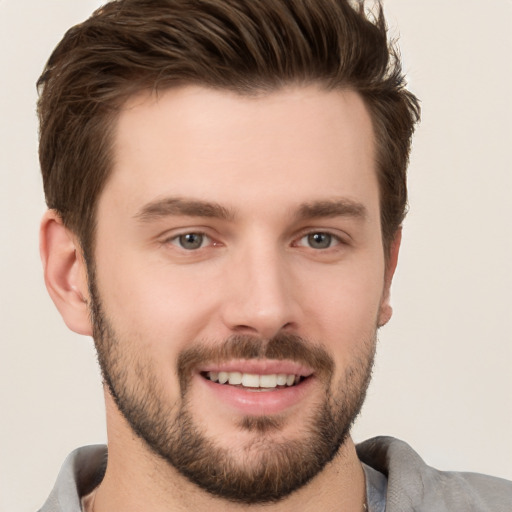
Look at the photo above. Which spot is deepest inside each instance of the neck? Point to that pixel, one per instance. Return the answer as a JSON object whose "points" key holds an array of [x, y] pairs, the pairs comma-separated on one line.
{"points": [[136, 479]]}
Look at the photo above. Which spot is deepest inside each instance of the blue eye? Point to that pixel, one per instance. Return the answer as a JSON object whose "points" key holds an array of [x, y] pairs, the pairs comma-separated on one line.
{"points": [[191, 241], [319, 240]]}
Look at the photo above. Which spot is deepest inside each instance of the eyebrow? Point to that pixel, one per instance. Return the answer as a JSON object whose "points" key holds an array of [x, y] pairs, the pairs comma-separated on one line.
{"points": [[172, 206], [332, 208]]}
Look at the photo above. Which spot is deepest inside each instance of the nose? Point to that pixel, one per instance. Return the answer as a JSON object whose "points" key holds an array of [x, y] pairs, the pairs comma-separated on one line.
{"points": [[260, 296]]}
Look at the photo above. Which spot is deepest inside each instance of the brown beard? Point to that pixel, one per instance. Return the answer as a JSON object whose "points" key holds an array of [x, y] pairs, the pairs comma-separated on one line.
{"points": [[271, 469]]}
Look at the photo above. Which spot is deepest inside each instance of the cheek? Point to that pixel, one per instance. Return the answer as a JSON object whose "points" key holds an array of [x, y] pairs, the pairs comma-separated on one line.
{"points": [[163, 309], [344, 305]]}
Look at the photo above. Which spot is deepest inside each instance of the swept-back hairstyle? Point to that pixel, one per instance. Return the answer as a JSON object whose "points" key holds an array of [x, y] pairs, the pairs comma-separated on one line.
{"points": [[246, 46]]}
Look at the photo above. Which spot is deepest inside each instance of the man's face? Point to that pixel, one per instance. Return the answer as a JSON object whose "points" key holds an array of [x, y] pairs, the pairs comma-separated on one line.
{"points": [[239, 238]]}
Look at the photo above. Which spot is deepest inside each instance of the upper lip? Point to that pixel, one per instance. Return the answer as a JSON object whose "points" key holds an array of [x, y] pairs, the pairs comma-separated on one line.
{"points": [[259, 367]]}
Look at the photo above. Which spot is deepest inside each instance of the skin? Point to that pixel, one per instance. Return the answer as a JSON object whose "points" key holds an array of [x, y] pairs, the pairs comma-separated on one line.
{"points": [[261, 159]]}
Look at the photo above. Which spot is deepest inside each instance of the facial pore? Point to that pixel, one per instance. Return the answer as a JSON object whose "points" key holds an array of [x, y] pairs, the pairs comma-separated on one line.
{"points": [[268, 468]]}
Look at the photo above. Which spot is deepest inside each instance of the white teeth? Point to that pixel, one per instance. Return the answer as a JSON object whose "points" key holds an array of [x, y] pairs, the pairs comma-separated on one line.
{"points": [[281, 379], [268, 381], [252, 380], [249, 380], [235, 378]]}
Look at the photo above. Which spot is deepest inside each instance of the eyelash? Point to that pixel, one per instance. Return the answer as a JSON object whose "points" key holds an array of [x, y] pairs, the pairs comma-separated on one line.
{"points": [[177, 239], [332, 240]]}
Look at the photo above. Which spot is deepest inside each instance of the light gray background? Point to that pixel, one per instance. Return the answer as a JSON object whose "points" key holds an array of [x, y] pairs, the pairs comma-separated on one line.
{"points": [[443, 379]]}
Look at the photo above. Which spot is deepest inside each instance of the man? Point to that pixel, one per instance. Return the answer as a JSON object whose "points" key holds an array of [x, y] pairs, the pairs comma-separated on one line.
{"points": [[226, 187]]}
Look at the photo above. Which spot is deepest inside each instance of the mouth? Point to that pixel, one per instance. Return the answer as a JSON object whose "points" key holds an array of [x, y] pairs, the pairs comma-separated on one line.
{"points": [[254, 381], [256, 387]]}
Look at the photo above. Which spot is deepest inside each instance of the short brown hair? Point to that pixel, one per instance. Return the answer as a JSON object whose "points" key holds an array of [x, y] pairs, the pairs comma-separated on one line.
{"points": [[247, 46]]}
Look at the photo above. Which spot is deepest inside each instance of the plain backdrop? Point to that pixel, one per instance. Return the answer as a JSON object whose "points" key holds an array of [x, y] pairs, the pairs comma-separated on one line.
{"points": [[443, 378]]}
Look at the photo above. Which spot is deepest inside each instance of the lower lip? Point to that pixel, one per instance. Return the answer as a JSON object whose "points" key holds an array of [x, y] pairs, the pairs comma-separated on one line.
{"points": [[256, 402]]}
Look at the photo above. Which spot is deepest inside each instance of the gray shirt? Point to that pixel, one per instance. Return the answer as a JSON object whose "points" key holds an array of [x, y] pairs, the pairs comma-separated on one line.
{"points": [[397, 480]]}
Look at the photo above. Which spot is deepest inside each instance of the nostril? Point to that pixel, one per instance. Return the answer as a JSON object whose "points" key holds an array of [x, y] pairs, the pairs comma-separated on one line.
{"points": [[244, 329]]}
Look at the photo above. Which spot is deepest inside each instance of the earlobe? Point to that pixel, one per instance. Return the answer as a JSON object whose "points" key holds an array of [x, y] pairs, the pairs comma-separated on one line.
{"points": [[65, 273], [386, 310]]}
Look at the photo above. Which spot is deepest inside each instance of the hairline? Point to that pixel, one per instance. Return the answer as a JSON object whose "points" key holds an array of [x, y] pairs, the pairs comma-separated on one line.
{"points": [[259, 89]]}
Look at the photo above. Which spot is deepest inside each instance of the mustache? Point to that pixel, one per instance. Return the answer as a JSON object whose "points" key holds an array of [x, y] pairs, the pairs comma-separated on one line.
{"points": [[238, 346]]}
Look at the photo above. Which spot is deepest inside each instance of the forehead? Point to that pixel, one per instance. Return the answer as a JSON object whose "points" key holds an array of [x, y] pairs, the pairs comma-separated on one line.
{"points": [[296, 144]]}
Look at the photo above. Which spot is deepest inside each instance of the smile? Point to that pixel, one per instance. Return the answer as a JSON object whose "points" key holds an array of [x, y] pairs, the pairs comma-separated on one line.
{"points": [[253, 380], [256, 387]]}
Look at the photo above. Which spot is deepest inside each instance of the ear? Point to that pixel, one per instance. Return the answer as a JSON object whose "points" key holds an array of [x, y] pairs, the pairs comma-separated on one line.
{"points": [[65, 272], [385, 307]]}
